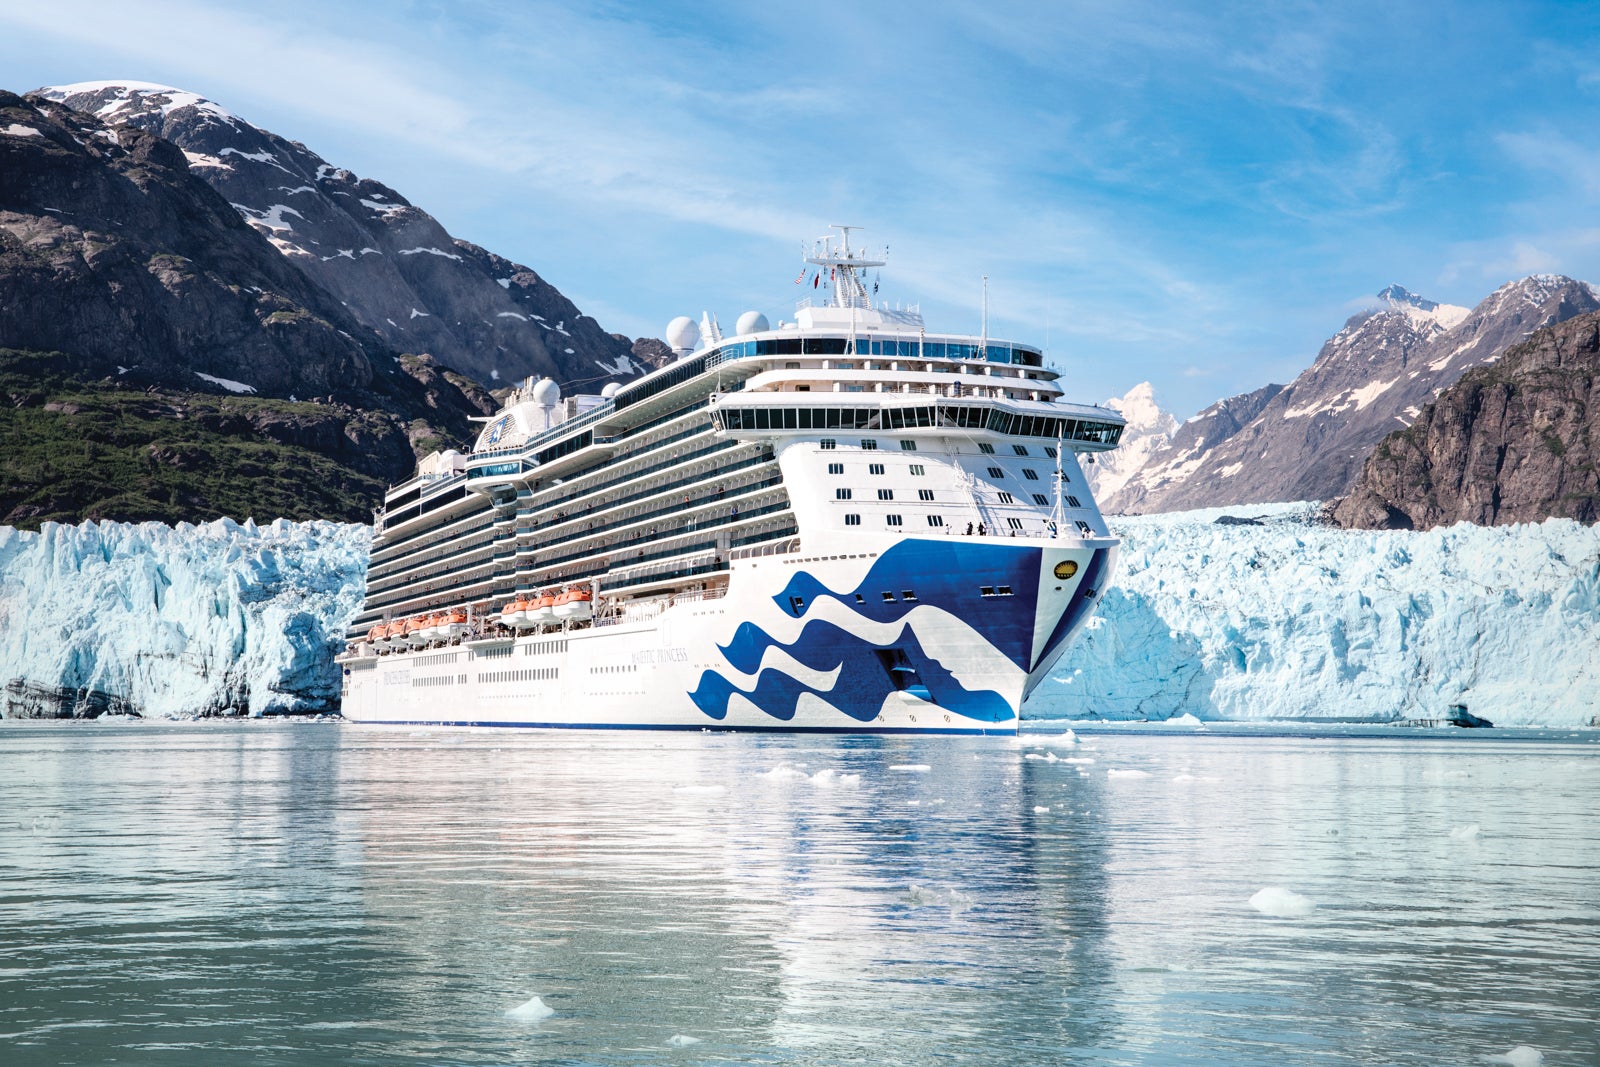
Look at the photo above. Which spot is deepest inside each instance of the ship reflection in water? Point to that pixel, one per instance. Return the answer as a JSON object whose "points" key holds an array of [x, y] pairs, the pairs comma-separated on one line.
{"points": [[318, 894]]}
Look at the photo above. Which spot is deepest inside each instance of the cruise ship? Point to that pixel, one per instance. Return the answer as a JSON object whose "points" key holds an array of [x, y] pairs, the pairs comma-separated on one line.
{"points": [[841, 523]]}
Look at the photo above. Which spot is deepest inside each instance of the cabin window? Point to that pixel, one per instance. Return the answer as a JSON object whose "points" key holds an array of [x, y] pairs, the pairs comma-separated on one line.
{"points": [[986, 449], [996, 472], [828, 443], [874, 468], [1015, 524], [1074, 502], [1030, 474], [836, 468], [924, 494], [852, 520], [1085, 527], [1007, 498], [908, 594], [918, 469], [908, 446], [793, 364], [892, 520], [1038, 498], [868, 444], [885, 494], [841, 494], [935, 520], [1050, 451], [1021, 450]]}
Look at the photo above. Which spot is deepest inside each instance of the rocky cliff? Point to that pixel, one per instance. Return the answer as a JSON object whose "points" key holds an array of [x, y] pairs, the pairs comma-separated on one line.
{"points": [[159, 359], [388, 261], [1309, 439], [1515, 441]]}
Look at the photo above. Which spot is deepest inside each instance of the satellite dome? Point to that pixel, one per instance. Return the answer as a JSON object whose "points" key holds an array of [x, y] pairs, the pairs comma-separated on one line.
{"points": [[682, 334], [751, 322], [611, 389], [547, 393]]}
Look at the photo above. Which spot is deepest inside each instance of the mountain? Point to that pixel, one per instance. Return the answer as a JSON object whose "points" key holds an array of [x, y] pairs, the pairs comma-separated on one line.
{"points": [[1149, 428], [389, 262], [1168, 463], [1307, 440], [159, 359], [1515, 441]]}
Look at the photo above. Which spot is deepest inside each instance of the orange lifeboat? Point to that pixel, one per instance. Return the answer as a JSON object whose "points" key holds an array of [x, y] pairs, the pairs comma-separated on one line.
{"points": [[452, 623], [512, 613], [575, 603], [414, 628], [397, 633], [541, 610]]}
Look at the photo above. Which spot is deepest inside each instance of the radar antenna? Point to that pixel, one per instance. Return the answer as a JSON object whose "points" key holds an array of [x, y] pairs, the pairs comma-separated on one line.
{"points": [[845, 266]]}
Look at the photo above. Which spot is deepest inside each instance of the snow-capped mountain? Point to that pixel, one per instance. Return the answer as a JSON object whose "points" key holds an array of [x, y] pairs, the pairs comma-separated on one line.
{"points": [[391, 263], [1149, 429], [1309, 439]]}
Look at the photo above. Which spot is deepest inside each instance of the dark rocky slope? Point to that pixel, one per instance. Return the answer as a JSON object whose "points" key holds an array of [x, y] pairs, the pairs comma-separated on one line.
{"points": [[1515, 441], [389, 262], [160, 360]]}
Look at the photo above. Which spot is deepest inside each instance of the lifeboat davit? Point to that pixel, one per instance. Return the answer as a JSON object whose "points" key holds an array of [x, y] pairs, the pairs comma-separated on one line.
{"points": [[397, 633], [452, 624], [378, 636], [513, 612], [541, 610], [429, 628], [575, 603]]}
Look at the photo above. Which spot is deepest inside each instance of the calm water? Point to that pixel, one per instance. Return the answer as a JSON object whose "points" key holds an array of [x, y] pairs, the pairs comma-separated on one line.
{"points": [[317, 893]]}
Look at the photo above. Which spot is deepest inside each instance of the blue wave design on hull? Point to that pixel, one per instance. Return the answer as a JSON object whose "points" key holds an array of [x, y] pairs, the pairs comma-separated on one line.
{"points": [[946, 575], [863, 683]]}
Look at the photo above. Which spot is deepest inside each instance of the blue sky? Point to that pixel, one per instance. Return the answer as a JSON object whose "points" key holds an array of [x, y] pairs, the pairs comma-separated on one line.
{"points": [[1191, 194]]}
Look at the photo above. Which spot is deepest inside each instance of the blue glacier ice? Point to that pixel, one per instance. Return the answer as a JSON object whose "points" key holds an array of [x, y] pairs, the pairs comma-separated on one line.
{"points": [[176, 621], [1285, 620], [1292, 619]]}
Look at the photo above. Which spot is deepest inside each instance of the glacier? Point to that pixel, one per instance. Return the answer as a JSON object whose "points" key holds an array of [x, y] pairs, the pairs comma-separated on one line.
{"points": [[1288, 619], [1294, 619], [176, 621]]}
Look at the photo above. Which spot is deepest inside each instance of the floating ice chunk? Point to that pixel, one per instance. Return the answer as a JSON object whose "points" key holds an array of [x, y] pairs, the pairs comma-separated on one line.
{"points": [[1464, 833], [1032, 755], [1521, 1056], [1126, 772], [913, 767], [1078, 759], [1184, 777], [1282, 903], [1039, 809], [700, 790], [1186, 719], [531, 1011], [783, 772], [682, 1040], [830, 777]]}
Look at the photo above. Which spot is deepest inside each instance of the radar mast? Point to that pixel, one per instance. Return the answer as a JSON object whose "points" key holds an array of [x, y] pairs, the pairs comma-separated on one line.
{"points": [[844, 264]]}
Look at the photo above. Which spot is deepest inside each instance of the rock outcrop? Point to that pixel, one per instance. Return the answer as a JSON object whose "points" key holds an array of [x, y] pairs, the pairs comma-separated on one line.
{"points": [[1515, 441]]}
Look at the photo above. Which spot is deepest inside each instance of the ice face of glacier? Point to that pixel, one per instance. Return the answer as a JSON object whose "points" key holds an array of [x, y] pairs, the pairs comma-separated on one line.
{"points": [[174, 621], [1292, 619]]}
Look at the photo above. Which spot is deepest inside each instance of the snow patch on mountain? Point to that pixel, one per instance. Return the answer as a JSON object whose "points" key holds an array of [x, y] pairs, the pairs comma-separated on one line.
{"points": [[126, 94], [1292, 619], [1149, 429], [176, 621]]}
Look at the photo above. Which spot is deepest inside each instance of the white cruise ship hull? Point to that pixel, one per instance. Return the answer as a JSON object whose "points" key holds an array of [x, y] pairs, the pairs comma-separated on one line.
{"points": [[924, 634]]}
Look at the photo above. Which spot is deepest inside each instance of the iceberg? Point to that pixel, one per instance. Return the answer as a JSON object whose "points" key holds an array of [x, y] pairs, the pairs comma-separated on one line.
{"points": [[1278, 616], [164, 621]]}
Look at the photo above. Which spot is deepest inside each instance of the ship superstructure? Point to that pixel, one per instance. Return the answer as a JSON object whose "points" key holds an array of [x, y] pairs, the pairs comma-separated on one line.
{"points": [[843, 522]]}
